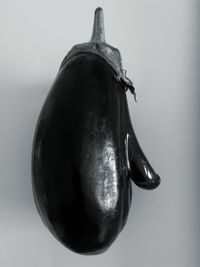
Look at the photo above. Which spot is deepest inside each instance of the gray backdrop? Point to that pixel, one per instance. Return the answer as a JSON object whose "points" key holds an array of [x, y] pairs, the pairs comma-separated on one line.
{"points": [[159, 43]]}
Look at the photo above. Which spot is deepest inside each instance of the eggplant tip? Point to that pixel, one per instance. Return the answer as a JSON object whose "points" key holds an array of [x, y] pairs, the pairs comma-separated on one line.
{"points": [[99, 9]]}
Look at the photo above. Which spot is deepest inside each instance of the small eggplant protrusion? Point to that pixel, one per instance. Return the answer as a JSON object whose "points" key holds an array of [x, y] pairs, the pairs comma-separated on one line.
{"points": [[85, 150]]}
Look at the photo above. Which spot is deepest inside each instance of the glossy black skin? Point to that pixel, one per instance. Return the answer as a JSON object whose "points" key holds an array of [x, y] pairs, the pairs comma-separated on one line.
{"points": [[81, 164]]}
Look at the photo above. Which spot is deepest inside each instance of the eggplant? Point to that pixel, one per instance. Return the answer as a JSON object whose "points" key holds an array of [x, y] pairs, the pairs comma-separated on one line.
{"points": [[85, 152]]}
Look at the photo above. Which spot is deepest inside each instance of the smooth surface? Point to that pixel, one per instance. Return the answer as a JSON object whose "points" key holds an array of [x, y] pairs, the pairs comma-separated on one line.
{"points": [[161, 53], [81, 182], [85, 154]]}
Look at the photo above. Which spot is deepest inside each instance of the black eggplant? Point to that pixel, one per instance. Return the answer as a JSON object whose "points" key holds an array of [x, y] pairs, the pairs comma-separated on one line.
{"points": [[85, 150]]}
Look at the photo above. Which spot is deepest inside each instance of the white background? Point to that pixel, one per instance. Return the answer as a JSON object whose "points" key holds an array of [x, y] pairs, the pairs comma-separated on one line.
{"points": [[159, 43]]}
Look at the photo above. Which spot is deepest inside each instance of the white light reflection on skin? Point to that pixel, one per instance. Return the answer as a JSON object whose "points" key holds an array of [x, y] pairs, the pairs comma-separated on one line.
{"points": [[148, 173], [126, 149], [107, 188]]}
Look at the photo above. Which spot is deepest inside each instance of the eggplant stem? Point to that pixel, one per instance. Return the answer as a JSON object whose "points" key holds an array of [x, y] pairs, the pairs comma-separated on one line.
{"points": [[98, 34]]}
